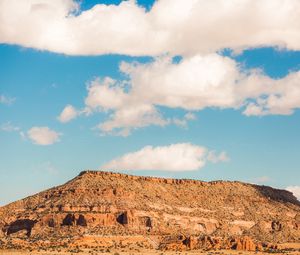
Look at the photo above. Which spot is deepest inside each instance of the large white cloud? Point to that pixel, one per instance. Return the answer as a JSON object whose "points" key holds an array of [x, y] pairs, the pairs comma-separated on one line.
{"points": [[295, 190], [192, 84], [43, 135], [212, 80], [175, 157], [184, 27]]}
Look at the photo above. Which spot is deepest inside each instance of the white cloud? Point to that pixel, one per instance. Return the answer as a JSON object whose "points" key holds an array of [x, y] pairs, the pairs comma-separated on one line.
{"points": [[68, 113], [179, 27], [9, 127], [295, 190], [193, 84], [6, 100], [128, 112], [281, 97], [131, 117], [43, 135], [212, 80], [175, 157], [105, 94], [184, 121]]}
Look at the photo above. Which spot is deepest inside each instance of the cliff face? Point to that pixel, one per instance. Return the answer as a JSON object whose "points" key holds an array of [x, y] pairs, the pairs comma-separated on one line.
{"points": [[176, 213]]}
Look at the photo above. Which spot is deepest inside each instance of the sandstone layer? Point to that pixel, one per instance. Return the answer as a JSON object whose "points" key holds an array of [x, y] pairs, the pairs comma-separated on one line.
{"points": [[109, 209]]}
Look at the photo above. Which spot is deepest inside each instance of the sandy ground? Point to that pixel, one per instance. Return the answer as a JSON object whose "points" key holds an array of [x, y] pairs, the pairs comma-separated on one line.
{"points": [[146, 252]]}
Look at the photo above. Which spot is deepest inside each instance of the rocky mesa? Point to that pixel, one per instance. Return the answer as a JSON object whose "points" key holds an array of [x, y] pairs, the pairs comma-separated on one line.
{"points": [[105, 209]]}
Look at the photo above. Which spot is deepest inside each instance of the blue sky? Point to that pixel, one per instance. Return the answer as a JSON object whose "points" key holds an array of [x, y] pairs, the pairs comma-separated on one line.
{"points": [[37, 83]]}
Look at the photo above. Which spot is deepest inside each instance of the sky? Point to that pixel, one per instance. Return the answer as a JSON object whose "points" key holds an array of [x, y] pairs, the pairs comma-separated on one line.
{"points": [[205, 90]]}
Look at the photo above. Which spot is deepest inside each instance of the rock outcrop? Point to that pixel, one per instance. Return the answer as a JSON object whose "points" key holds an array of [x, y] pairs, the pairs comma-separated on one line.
{"points": [[242, 243], [168, 214]]}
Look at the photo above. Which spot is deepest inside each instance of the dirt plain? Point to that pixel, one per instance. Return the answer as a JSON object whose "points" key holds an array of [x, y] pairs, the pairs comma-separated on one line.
{"points": [[146, 252]]}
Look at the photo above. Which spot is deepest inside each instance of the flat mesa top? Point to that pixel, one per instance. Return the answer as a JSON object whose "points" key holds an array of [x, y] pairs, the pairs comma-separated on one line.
{"points": [[150, 178], [137, 177], [269, 191]]}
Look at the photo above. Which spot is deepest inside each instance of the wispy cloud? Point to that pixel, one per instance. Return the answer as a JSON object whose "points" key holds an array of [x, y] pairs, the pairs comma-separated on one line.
{"points": [[215, 157], [261, 180], [174, 157], [183, 122], [7, 100], [9, 127], [46, 167]]}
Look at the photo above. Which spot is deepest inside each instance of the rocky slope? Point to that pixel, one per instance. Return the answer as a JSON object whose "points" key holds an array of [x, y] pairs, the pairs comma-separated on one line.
{"points": [[109, 209]]}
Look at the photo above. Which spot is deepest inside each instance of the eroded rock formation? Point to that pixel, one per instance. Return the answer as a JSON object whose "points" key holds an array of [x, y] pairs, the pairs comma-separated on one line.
{"points": [[165, 213]]}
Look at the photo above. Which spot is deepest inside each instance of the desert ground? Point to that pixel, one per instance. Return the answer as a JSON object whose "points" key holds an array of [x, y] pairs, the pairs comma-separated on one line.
{"points": [[146, 252], [287, 249]]}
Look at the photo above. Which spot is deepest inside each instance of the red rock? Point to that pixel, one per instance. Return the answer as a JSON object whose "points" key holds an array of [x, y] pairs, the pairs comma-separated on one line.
{"points": [[178, 212]]}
